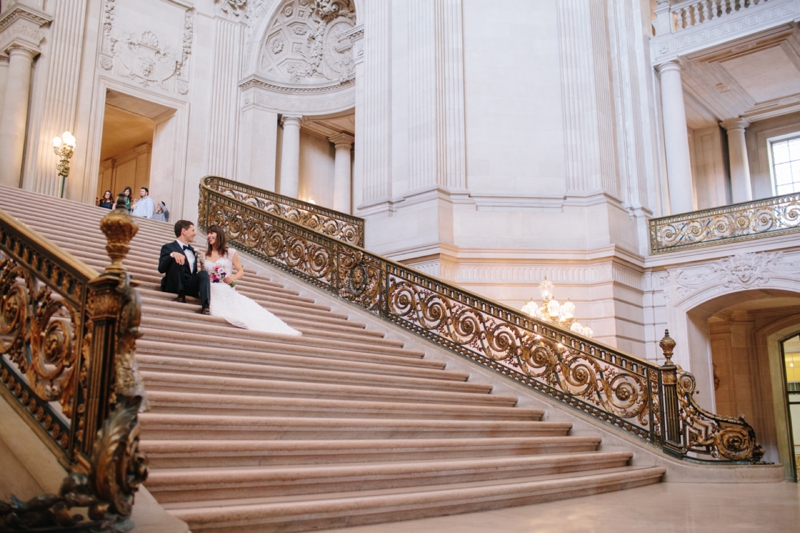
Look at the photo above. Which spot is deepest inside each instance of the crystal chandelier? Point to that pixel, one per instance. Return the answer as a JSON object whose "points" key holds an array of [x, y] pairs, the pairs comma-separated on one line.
{"points": [[554, 312]]}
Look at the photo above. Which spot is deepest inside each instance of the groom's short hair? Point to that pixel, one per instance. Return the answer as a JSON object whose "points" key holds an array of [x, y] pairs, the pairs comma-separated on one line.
{"points": [[182, 225]]}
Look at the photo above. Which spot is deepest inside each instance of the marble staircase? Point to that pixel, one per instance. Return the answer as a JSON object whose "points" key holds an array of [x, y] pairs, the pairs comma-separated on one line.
{"points": [[252, 431]]}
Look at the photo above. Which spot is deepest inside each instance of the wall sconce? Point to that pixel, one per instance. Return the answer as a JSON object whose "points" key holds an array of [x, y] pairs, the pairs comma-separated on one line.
{"points": [[63, 147]]}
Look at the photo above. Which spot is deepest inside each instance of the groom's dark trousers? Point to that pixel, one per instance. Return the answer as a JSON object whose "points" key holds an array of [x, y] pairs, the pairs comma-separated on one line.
{"points": [[182, 279]]}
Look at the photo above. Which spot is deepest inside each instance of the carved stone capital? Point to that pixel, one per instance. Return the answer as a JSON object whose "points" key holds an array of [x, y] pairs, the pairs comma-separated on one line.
{"points": [[20, 28], [344, 140], [292, 120], [673, 65], [735, 124]]}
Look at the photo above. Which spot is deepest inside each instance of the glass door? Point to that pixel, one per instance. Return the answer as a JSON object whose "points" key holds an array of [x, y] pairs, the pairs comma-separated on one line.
{"points": [[791, 360]]}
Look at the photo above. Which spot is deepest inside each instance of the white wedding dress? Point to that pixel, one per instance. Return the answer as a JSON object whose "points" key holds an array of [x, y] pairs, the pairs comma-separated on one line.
{"points": [[238, 309]]}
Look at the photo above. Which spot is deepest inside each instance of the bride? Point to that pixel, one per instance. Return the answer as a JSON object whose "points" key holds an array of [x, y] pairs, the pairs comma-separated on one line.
{"points": [[236, 308]]}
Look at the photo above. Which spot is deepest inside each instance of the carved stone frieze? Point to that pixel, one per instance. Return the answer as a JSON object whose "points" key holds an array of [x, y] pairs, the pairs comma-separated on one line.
{"points": [[304, 42], [744, 270], [144, 56]]}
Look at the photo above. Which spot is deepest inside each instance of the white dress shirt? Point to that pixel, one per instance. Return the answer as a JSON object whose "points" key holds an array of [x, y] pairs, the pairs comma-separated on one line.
{"points": [[189, 255]]}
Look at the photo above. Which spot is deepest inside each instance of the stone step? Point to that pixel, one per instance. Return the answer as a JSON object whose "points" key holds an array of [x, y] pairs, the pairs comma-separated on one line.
{"points": [[446, 381], [224, 453], [165, 402], [156, 308], [163, 381], [193, 484], [305, 513], [276, 342], [296, 357], [190, 426], [200, 324]]}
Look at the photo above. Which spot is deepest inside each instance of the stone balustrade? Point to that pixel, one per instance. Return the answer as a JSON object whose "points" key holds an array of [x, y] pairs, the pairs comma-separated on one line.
{"points": [[694, 12], [685, 27]]}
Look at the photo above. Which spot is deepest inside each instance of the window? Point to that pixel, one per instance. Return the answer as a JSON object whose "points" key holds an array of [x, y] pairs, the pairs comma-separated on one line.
{"points": [[785, 155]]}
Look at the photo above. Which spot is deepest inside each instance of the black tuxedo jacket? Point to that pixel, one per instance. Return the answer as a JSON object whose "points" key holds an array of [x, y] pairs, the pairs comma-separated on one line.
{"points": [[166, 259]]}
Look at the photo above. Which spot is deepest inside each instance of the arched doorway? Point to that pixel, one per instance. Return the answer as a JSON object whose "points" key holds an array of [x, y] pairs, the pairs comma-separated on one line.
{"points": [[739, 340]]}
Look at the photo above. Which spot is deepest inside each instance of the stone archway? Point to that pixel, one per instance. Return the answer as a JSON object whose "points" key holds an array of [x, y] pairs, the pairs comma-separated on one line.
{"points": [[735, 340]]}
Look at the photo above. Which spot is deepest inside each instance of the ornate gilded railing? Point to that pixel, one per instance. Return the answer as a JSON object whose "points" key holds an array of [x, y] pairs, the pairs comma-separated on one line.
{"points": [[67, 341], [634, 395], [335, 224], [722, 225]]}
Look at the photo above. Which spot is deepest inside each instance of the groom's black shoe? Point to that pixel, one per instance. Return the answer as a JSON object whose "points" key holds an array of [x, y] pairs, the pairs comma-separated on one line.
{"points": [[204, 311], [181, 299]]}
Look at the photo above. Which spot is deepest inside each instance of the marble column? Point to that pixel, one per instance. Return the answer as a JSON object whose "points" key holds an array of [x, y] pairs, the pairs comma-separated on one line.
{"points": [[341, 171], [741, 188], [14, 116], [676, 139], [290, 156], [3, 79]]}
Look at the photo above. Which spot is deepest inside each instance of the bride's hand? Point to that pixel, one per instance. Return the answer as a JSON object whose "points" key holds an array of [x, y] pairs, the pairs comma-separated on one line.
{"points": [[228, 280]]}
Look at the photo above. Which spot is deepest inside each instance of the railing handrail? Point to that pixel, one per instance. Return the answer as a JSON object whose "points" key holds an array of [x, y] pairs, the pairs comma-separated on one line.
{"points": [[69, 336], [615, 387], [327, 213], [726, 224]]}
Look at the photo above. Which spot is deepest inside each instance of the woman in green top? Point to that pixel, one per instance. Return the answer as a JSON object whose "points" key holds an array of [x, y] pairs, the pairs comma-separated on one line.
{"points": [[127, 193]]}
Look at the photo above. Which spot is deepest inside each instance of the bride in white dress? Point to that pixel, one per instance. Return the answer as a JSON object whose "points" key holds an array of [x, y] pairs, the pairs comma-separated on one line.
{"points": [[239, 310]]}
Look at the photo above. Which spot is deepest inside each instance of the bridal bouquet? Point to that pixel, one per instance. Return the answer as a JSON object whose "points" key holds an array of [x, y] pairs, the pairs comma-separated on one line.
{"points": [[218, 275]]}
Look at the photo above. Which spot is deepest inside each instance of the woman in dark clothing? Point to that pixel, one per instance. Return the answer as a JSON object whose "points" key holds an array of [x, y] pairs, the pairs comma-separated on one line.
{"points": [[107, 200]]}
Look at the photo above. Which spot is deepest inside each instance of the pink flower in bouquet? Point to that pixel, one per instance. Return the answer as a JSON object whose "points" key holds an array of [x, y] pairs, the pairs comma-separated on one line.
{"points": [[218, 275]]}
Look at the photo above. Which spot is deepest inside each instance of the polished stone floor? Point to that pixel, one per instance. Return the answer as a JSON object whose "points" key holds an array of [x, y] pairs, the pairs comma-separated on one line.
{"points": [[662, 508]]}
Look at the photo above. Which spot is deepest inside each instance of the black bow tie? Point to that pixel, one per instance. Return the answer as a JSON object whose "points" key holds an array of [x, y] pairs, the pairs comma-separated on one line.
{"points": [[187, 247]]}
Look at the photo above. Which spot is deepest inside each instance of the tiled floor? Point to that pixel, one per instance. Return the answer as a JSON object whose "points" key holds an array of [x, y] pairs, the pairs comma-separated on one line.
{"points": [[661, 508]]}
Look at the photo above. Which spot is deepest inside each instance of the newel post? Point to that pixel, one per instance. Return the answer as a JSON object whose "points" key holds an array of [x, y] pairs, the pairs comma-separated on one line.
{"points": [[115, 313], [671, 418]]}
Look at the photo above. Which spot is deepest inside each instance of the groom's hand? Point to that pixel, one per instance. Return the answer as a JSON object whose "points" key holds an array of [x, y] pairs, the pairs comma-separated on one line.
{"points": [[179, 258]]}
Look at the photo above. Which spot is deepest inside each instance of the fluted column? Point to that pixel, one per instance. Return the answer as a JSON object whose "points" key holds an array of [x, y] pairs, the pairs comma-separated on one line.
{"points": [[58, 104], [374, 104], [3, 79], [290, 156], [589, 131], [15, 115], [341, 171], [741, 189], [676, 140]]}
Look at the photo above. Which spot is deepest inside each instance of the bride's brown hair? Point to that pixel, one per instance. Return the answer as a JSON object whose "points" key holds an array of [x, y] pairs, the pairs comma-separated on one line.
{"points": [[220, 244]]}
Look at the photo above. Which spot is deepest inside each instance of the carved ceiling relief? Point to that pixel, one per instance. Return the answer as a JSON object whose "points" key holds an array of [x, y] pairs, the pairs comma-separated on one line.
{"points": [[303, 43], [143, 56]]}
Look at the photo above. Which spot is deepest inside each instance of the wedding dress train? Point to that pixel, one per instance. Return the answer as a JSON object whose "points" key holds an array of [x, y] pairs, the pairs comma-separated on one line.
{"points": [[238, 309]]}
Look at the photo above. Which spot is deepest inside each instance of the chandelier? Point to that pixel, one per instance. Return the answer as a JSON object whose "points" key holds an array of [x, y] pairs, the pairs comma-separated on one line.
{"points": [[554, 312]]}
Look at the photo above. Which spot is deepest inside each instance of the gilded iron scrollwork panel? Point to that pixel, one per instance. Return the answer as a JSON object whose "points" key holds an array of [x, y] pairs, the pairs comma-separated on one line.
{"points": [[335, 224], [745, 221], [558, 365], [632, 394], [67, 336]]}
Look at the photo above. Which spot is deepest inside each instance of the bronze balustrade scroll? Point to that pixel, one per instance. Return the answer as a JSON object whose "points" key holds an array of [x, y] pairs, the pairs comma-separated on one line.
{"points": [[335, 224], [614, 387], [67, 340], [739, 222]]}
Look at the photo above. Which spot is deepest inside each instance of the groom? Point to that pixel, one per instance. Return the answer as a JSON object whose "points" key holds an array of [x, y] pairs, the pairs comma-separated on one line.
{"points": [[178, 263]]}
